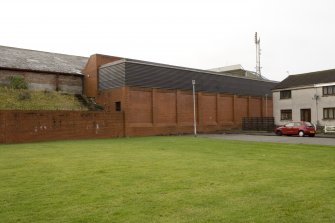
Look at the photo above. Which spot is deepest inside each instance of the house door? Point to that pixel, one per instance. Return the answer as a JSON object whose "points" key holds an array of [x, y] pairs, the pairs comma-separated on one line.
{"points": [[305, 115]]}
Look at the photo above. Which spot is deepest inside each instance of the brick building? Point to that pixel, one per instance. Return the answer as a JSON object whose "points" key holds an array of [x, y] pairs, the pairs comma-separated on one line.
{"points": [[150, 98], [157, 98]]}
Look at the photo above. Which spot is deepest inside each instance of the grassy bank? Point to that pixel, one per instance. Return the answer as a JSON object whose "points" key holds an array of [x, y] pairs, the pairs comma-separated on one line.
{"points": [[12, 99]]}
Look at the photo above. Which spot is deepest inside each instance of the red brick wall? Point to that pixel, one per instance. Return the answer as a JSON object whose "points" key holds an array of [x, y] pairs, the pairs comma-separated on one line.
{"points": [[225, 109], [164, 107], [28, 126], [139, 106], [255, 107], [240, 108], [269, 108], [108, 98], [160, 111], [207, 109], [144, 112], [185, 108]]}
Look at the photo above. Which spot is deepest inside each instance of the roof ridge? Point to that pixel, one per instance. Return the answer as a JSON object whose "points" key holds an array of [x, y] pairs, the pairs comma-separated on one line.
{"points": [[307, 79], [39, 51], [26, 59], [313, 72]]}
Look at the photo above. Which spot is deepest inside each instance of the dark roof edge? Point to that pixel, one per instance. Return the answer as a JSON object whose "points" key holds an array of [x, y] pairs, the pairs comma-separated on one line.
{"points": [[293, 87], [311, 72], [301, 85], [203, 91], [40, 71], [180, 68]]}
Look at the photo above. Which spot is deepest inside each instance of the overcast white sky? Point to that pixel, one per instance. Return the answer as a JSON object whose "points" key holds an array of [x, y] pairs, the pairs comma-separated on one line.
{"points": [[297, 36]]}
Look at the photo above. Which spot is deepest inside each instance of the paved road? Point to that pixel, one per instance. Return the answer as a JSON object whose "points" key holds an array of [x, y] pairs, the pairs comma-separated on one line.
{"points": [[279, 139]]}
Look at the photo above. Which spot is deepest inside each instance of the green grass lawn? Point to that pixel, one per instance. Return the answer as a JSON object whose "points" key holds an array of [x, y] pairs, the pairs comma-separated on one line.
{"points": [[166, 179]]}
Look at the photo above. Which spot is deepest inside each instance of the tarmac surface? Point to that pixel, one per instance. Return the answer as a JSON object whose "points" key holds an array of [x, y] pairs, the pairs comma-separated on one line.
{"points": [[271, 137]]}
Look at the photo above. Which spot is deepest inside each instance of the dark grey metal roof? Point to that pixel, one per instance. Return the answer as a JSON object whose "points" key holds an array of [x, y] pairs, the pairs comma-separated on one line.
{"points": [[307, 79], [23, 59], [155, 75]]}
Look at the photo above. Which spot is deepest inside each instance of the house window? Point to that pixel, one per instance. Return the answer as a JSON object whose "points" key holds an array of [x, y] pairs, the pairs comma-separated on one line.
{"points": [[118, 106], [286, 114], [328, 90], [285, 94], [329, 113]]}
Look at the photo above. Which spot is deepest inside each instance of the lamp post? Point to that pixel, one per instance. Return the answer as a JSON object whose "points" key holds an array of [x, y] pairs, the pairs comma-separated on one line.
{"points": [[194, 112]]}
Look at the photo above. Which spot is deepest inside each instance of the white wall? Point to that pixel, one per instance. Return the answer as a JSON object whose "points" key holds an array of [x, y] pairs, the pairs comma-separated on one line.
{"points": [[303, 99]]}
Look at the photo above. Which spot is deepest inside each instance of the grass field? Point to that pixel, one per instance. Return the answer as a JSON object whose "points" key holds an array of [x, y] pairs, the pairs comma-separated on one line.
{"points": [[166, 179]]}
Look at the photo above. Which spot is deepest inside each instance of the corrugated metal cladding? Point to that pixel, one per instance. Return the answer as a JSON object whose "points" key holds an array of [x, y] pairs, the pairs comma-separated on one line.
{"points": [[154, 76], [112, 76]]}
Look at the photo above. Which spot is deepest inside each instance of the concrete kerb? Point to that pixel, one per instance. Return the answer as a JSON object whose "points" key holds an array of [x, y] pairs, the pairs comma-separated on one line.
{"points": [[264, 133]]}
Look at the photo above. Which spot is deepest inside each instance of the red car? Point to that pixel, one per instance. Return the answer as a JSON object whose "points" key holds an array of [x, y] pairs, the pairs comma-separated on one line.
{"points": [[296, 128]]}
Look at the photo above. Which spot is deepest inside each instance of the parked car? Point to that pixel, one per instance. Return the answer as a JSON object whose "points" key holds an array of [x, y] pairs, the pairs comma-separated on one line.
{"points": [[296, 128]]}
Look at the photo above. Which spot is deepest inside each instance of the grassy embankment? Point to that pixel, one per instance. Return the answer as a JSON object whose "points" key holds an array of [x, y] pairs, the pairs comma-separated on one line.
{"points": [[22, 99]]}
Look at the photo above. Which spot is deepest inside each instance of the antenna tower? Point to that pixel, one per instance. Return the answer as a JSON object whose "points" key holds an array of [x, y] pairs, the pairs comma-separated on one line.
{"points": [[258, 55]]}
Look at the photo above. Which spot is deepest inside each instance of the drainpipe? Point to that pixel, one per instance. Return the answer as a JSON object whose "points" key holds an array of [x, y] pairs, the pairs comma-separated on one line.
{"points": [[316, 98]]}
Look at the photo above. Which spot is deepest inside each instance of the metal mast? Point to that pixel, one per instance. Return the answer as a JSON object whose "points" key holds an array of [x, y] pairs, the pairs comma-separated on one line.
{"points": [[258, 55]]}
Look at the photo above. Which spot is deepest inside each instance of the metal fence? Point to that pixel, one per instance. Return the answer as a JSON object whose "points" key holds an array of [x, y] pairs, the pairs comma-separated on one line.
{"points": [[258, 123]]}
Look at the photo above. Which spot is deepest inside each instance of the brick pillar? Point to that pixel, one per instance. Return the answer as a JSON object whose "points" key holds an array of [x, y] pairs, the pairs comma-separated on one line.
{"points": [[177, 108], [248, 110], [262, 106], [217, 109], [124, 107], [154, 106], [234, 109], [199, 108], [2, 127]]}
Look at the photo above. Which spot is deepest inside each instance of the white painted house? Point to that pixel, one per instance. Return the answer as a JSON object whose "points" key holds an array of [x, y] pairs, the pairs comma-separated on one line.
{"points": [[306, 97]]}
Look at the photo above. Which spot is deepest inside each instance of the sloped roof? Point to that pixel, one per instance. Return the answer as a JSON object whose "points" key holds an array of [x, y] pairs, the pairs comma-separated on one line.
{"points": [[23, 59], [307, 79], [137, 73]]}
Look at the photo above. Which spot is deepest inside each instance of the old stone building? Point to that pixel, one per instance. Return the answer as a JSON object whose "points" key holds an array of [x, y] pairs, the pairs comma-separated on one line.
{"points": [[43, 70]]}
